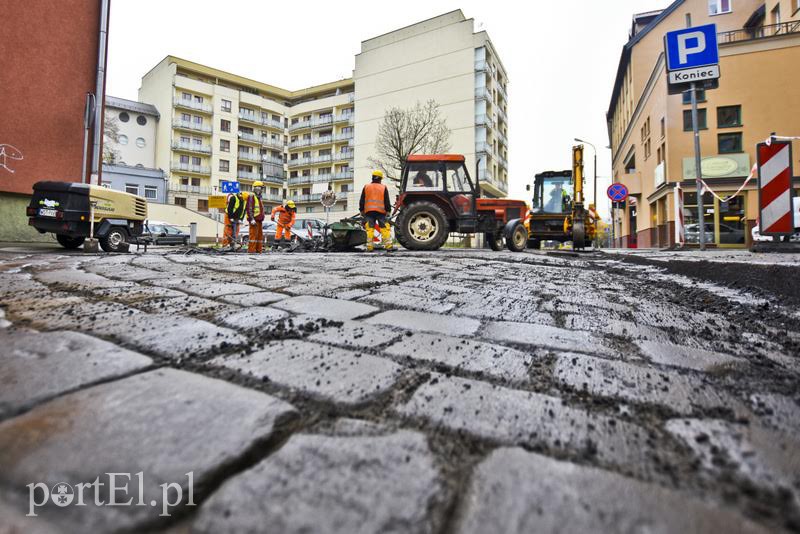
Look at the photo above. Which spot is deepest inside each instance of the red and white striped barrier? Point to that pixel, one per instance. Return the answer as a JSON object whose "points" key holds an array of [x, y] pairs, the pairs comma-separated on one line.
{"points": [[680, 226], [775, 187]]}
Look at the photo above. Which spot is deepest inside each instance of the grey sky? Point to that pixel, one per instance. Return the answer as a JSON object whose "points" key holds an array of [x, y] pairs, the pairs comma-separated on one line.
{"points": [[561, 57]]}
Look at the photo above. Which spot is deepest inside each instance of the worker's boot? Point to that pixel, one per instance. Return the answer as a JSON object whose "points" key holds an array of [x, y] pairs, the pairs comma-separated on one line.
{"points": [[370, 238], [386, 238]]}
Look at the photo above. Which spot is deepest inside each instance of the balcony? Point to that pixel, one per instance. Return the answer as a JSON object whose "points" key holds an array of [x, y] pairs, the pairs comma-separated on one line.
{"points": [[272, 143], [345, 117], [193, 126], [483, 147], [501, 137], [484, 120], [488, 182], [191, 104], [298, 162], [271, 123], [502, 92], [272, 198], [299, 125], [272, 178], [761, 32], [249, 117], [250, 138], [502, 161], [343, 175], [322, 121], [311, 179], [197, 189], [502, 114], [343, 137], [191, 147], [483, 92], [249, 156], [481, 65], [344, 155], [186, 167], [311, 142], [307, 198]]}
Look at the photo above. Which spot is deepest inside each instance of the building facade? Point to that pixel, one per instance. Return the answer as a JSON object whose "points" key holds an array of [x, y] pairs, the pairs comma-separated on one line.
{"points": [[217, 126], [651, 132], [150, 184], [137, 124]]}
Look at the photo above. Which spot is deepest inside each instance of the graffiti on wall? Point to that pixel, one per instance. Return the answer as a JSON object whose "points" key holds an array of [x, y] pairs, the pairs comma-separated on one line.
{"points": [[9, 153]]}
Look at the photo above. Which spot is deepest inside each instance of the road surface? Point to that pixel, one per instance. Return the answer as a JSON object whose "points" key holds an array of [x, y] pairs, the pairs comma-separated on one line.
{"points": [[456, 391]]}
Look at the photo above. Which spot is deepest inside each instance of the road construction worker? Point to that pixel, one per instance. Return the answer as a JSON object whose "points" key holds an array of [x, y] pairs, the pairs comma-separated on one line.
{"points": [[374, 206], [234, 213], [559, 200], [255, 217], [286, 215]]}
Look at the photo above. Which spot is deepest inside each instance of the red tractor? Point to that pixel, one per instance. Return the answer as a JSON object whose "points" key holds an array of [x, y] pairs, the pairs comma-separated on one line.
{"points": [[437, 196]]}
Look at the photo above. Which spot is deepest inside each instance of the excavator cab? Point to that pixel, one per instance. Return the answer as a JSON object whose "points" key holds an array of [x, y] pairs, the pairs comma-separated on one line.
{"points": [[552, 192]]}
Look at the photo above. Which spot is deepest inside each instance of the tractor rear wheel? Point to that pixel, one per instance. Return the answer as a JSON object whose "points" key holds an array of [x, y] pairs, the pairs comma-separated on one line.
{"points": [[495, 240], [517, 238], [69, 242], [422, 226]]}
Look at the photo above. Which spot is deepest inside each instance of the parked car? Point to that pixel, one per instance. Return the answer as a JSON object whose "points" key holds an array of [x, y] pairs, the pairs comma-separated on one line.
{"points": [[756, 234], [165, 234]]}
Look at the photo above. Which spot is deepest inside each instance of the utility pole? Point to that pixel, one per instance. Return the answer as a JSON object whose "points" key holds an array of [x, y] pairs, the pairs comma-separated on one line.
{"points": [[701, 224]]}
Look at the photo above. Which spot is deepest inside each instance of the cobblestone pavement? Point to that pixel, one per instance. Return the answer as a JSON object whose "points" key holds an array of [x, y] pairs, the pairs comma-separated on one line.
{"points": [[457, 391]]}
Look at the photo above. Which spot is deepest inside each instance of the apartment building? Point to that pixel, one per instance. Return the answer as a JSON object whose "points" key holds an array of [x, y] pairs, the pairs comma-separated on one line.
{"points": [[651, 132], [220, 126], [443, 59]]}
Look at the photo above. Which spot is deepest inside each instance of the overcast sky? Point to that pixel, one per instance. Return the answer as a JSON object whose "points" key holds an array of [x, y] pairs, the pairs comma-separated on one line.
{"points": [[561, 57]]}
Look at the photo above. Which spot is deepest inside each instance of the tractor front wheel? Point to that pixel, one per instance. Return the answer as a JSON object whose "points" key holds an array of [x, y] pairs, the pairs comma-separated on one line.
{"points": [[422, 226], [516, 237]]}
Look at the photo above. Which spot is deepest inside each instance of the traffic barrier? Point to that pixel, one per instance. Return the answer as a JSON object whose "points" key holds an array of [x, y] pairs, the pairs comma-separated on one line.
{"points": [[774, 161]]}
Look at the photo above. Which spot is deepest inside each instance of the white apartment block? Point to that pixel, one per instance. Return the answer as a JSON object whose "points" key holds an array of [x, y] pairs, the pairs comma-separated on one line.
{"points": [[218, 126], [137, 123]]}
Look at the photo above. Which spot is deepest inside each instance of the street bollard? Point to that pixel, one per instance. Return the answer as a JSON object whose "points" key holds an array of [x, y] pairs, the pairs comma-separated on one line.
{"points": [[193, 233]]}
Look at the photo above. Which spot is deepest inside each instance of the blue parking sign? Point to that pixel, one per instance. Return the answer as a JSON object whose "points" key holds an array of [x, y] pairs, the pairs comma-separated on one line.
{"points": [[692, 47], [229, 187]]}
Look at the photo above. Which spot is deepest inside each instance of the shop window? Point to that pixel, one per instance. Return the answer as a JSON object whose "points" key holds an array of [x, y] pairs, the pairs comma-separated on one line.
{"points": [[701, 119], [202, 204], [729, 116], [180, 201], [729, 143]]}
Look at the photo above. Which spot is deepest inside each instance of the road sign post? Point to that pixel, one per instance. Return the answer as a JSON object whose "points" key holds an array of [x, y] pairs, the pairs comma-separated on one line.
{"points": [[693, 59], [617, 194]]}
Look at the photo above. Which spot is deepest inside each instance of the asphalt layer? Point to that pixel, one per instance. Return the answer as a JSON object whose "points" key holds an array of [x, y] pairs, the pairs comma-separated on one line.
{"points": [[456, 391]]}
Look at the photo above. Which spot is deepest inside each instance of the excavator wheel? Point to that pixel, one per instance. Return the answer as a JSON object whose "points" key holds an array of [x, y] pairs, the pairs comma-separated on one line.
{"points": [[578, 235]]}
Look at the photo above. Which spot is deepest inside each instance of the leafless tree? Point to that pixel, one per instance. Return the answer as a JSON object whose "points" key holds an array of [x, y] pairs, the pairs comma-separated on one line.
{"points": [[110, 139], [417, 130]]}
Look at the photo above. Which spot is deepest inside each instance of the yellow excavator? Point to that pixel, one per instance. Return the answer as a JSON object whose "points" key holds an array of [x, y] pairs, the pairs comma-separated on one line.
{"points": [[558, 212]]}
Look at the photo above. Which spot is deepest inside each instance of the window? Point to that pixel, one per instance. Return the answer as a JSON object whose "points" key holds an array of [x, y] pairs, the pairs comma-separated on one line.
{"points": [[185, 181], [663, 128], [647, 149], [729, 116], [457, 179], [729, 143], [184, 160], [124, 117], [292, 174], [276, 118], [197, 141], [309, 210], [198, 120], [274, 191], [185, 140], [775, 15], [195, 161], [185, 117], [224, 125], [141, 120], [140, 142], [202, 204], [687, 96], [187, 96], [133, 189], [198, 99], [324, 170], [226, 105], [346, 188], [424, 177], [224, 165], [195, 182], [718, 7], [688, 20], [180, 201], [687, 120], [150, 192], [224, 145], [307, 154], [123, 139]]}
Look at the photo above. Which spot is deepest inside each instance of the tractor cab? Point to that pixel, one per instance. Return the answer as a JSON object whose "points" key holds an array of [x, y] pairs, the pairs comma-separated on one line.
{"points": [[443, 178]]}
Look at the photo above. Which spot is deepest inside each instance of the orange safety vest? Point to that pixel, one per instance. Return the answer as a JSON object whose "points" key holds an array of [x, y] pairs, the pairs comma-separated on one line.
{"points": [[374, 195]]}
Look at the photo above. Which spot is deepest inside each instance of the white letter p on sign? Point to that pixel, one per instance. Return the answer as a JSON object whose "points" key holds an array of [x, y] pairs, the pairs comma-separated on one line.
{"points": [[684, 51]]}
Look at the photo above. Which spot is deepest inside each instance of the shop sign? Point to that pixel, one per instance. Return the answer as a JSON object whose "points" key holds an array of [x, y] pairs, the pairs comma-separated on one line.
{"points": [[723, 166]]}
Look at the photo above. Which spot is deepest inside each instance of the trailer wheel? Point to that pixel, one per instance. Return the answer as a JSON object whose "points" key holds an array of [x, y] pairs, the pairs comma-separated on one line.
{"points": [[422, 226], [69, 242], [495, 240], [115, 240], [516, 236]]}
